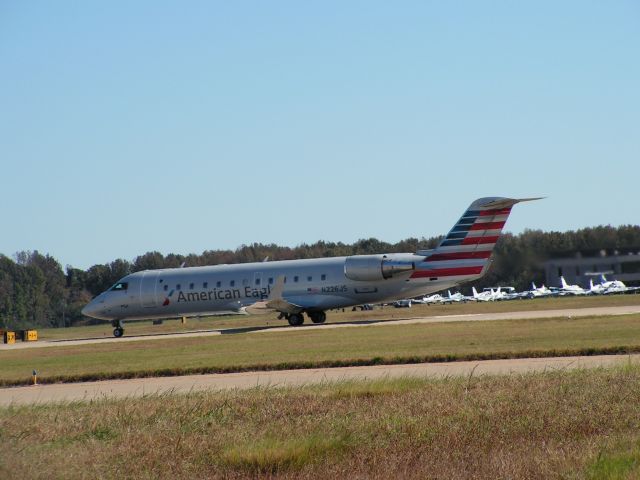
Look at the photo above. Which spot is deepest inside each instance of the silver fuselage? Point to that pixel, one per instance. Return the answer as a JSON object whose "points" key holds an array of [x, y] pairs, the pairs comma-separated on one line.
{"points": [[318, 284]]}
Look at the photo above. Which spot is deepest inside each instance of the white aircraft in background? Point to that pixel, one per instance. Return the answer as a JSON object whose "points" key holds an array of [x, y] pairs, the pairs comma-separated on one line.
{"points": [[567, 289], [537, 292], [507, 293], [295, 288], [487, 295], [456, 297], [430, 299], [606, 287]]}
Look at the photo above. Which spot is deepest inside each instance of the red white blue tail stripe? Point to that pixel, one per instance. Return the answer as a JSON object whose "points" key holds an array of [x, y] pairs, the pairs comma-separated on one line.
{"points": [[467, 248]]}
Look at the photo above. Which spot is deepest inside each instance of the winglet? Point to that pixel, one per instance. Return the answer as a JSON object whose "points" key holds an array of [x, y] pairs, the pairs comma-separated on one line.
{"points": [[507, 202]]}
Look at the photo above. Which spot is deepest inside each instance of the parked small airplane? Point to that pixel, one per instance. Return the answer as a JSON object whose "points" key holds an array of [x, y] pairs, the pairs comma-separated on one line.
{"points": [[429, 299], [606, 287], [536, 292], [293, 288], [456, 297], [487, 295], [505, 293], [567, 289]]}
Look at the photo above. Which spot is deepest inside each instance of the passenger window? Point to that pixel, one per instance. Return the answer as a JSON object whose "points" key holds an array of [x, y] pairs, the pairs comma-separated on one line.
{"points": [[309, 278], [218, 284], [245, 282], [205, 284], [257, 281], [271, 281], [178, 287], [120, 286], [232, 283], [295, 279], [191, 286], [166, 287], [323, 277]]}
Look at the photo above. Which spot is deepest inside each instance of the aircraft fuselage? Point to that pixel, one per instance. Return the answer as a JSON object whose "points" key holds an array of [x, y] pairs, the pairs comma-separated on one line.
{"points": [[319, 284]]}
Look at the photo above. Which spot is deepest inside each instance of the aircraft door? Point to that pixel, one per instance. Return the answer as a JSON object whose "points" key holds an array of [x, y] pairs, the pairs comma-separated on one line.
{"points": [[149, 289]]}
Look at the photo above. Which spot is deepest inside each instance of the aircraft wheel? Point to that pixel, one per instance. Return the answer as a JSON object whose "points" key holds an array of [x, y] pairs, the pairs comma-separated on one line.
{"points": [[318, 317], [295, 319], [118, 332]]}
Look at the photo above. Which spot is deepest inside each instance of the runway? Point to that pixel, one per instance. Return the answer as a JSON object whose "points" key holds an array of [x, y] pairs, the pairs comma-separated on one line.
{"points": [[289, 378], [531, 314]]}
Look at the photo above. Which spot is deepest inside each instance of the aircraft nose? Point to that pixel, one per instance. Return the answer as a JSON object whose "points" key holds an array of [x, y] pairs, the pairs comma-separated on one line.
{"points": [[90, 309]]}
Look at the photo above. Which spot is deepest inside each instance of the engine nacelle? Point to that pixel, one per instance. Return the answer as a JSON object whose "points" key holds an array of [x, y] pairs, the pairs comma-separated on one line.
{"points": [[369, 268]]}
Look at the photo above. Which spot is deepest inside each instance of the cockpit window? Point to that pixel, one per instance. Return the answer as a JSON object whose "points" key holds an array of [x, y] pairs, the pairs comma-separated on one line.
{"points": [[120, 286]]}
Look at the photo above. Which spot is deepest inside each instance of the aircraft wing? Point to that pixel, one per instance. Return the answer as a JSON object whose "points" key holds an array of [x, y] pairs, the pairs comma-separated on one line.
{"points": [[275, 302]]}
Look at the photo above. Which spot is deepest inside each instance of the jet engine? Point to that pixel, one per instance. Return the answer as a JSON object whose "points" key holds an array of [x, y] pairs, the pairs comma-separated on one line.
{"points": [[368, 268]]}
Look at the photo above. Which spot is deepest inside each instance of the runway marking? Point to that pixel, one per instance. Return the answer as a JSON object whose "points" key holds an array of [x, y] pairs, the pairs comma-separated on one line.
{"points": [[289, 378]]}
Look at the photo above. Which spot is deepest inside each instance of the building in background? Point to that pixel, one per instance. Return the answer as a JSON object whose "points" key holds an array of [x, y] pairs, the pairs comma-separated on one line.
{"points": [[582, 266]]}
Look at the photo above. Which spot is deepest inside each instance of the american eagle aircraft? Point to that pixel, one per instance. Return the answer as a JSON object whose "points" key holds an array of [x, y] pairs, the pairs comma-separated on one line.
{"points": [[294, 288]]}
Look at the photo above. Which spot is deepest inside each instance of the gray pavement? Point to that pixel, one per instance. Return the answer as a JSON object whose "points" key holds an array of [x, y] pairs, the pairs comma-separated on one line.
{"points": [[285, 378]]}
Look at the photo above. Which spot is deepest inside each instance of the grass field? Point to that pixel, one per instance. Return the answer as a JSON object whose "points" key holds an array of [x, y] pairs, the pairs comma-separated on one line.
{"points": [[308, 348], [242, 321], [579, 424]]}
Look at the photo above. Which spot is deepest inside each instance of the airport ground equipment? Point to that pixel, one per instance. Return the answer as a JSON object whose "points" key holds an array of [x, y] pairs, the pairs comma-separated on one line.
{"points": [[8, 337]]}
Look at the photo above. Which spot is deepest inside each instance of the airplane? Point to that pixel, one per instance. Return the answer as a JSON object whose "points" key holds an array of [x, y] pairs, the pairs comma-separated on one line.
{"points": [[431, 299], [428, 300], [487, 295], [537, 292], [505, 293], [567, 289], [456, 297], [294, 288], [606, 287]]}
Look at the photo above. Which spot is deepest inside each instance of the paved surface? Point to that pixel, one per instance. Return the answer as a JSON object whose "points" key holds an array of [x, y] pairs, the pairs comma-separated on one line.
{"points": [[145, 386], [567, 313]]}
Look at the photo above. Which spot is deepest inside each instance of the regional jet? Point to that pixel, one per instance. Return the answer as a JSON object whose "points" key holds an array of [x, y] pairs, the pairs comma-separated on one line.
{"points": [[295, 288]]}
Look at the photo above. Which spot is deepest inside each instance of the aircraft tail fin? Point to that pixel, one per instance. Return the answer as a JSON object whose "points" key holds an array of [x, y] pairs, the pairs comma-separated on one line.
{"points": [[563, 282], [464, 254], [475, 292], [603, 279], [533, 286]]}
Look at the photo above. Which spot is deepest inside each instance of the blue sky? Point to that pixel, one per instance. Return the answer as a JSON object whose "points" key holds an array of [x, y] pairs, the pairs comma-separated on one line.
{"points": [[127, 127]]}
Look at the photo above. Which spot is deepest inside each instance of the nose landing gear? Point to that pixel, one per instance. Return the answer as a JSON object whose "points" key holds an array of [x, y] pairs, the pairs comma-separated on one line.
{"points": [[118, 331]]}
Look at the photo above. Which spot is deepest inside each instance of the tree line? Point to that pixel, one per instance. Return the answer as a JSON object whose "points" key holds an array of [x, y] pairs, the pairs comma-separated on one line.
{"points": [[35, 291]]}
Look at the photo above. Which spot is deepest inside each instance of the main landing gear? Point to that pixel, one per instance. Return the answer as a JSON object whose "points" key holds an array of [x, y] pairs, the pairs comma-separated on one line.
{"points": [[297, 319], [118, 331], [317, 317]]}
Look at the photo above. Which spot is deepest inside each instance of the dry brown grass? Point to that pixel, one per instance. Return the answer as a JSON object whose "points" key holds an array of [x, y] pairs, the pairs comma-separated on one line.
{"points": [[551, 425]]}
